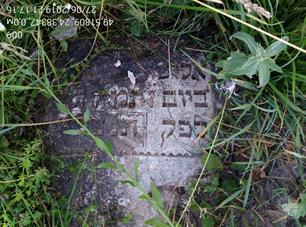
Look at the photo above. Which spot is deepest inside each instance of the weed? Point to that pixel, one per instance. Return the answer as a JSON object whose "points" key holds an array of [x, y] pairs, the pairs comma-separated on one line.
{"points": [[260, 130], [24, 186], [260, 61]]}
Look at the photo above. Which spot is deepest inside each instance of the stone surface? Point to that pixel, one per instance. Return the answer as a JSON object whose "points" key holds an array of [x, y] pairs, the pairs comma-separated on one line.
{"points": [[151, 110]]}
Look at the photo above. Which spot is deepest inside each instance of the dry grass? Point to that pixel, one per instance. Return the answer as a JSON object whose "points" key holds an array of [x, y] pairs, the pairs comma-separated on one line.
{"points": [[255, 8]]}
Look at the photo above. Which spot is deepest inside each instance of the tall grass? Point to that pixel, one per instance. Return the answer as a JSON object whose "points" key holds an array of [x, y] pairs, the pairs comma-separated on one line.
{"points": [[261, 125]]}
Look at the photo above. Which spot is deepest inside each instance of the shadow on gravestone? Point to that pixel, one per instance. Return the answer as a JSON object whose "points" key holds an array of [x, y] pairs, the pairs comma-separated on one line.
{"points": [[151, 111]]}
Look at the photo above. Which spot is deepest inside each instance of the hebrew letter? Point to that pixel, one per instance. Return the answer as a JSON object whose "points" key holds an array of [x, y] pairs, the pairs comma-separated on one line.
{"points": [[163, 76], [171, 123], [113, 97], [165, 136], [199, 123], [129, 127], [132, 102], [113, 128], [201, 98], [169, 99], [184, 98], [184, 128], [122, 98]]}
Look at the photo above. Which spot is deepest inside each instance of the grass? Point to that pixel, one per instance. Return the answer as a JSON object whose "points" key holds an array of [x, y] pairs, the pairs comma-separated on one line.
{"points": [[255, 132]]}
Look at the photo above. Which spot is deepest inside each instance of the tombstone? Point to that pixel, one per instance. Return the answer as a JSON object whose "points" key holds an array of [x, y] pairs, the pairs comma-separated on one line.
{"points": [[151, 110]]}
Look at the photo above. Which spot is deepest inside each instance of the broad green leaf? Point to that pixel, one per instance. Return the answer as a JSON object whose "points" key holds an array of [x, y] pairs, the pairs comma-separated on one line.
{"points": [[137, 28], [73, 132], [64, 45], [245, 84], [270, 63], [264, 74], [208, 221], [238, 166], [144, 197], [127, 218], [3, 144], [212, 186], [105, 165], [156, 222], [204, 204], [276, 47], [86, 116], [249, 68], [62, 108], [65, 31], [235, 60], [259, 63], [213, 162], [248, 39], [156, 196], [291, 209], [104, 145], [303, 205], [230, 185]]}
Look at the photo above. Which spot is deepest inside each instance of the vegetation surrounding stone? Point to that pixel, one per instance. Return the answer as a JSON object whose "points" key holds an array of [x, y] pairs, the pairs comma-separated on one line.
{"points": [[258, 132]]}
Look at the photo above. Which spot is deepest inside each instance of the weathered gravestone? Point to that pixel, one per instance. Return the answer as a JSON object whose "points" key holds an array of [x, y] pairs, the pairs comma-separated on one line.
{"points": [[151, 110]]}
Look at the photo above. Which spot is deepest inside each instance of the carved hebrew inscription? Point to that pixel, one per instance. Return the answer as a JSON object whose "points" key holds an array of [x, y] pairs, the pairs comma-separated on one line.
{"points": [[164, 118]]}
